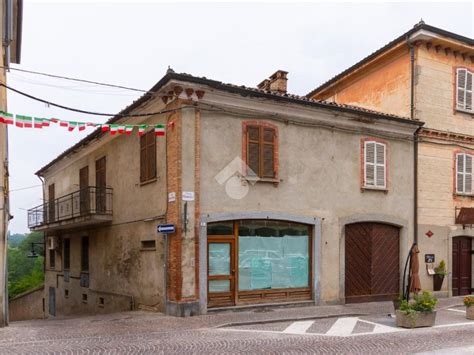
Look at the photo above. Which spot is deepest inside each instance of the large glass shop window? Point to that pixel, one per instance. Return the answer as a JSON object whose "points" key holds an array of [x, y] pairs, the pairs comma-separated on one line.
{"points": [[272, 255]]}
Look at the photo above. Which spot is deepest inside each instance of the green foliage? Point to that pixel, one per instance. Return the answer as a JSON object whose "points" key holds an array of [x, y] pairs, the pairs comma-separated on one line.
{"points": [[424, 302], [25, 273], [14, 240], [441, 268]]}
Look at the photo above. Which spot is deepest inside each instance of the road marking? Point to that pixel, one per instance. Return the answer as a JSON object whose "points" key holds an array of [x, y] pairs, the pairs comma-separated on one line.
{"points": [[343, 326], [456, 310], [299, 327]]}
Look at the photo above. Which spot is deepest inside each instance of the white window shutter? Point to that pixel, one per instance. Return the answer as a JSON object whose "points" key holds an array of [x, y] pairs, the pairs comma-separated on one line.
{"points": [[460, 173], [461, 88], [380, 162], [468, 101], [468, 174], [369, 163]]}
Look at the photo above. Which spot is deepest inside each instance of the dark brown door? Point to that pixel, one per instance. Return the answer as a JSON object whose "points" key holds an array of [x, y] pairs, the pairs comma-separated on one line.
{"points": [[84, 198], [372, 262], [462, 266], [221, 271], [100, 167], [51, 204]]}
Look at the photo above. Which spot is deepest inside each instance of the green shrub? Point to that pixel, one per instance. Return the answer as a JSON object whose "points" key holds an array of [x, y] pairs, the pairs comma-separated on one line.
{"points": [[441, 268], [424, 302]]}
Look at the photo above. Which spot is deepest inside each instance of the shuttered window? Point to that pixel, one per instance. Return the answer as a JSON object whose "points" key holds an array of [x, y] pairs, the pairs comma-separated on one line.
{"points": [[464, 173], [464, 89], [375, 164], [261, 148], [147, 157]]}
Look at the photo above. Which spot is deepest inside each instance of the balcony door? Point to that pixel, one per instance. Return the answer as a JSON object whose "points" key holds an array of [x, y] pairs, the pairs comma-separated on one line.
{"points": [[84, 199], [51, 204], [100, 182]]}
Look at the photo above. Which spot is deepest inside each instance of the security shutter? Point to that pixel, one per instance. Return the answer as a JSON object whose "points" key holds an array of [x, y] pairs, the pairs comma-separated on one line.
{"points": [[464, 89], [375, 164], [464, 173]]}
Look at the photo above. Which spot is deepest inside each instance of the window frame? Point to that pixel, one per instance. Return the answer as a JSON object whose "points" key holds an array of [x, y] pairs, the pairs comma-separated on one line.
{"points": [[146, 148], [456, 89], [376, 142], [259, 177], [52, 259], [464, 173]]}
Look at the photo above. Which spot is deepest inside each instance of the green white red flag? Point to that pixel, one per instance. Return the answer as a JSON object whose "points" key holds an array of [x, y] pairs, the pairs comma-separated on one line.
{"points": [[159, 130], [23, 121], [6, 118], [38, 122], [71, 126], [128, 129], [141, 129], [113, 129]]}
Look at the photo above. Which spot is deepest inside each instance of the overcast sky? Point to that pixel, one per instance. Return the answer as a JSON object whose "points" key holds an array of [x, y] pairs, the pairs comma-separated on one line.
{"points": [[132, 44]]}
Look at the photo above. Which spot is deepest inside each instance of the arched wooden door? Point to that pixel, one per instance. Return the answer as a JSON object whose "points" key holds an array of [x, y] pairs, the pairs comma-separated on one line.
{"points": [[372, 262]]}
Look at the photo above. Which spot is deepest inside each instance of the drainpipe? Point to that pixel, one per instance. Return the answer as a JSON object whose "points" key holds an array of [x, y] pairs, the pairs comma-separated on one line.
{"points": [[415, 139]]}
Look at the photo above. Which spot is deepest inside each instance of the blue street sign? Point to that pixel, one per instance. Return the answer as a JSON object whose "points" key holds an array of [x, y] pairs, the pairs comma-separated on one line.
{"points": [[166, 228]]}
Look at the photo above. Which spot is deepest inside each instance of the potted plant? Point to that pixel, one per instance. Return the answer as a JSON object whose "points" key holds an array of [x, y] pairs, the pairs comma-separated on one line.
{"points": [[417, 313], [469, 303], [397, 301], [440, 273]]}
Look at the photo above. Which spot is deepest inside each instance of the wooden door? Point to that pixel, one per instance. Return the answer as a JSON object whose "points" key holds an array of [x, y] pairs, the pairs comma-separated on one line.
{"points": [[221, 271], [462, 266], [100, 182], [51, 204], [52, 301], [372, 257], [84, 198]]}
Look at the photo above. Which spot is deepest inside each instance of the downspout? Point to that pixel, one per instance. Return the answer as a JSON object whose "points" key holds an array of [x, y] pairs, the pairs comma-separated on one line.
{"points": [[415, 140]]}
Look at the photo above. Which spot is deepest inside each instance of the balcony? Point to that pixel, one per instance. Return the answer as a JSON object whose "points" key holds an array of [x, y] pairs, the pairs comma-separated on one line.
{"points": [[86, 207]]}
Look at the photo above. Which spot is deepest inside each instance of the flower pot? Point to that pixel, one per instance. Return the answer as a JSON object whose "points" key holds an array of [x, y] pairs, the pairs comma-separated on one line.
{"points": [[415, 320], [470, 312], [396, 304], [437, 282]]}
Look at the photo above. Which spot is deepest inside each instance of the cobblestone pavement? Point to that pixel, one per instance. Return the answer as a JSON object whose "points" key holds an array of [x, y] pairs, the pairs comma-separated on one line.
{"points": [[363, 328]]}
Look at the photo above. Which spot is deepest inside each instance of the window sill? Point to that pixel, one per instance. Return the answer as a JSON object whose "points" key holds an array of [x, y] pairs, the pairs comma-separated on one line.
{"points": [[148, 181], [147, 249], [465, 111], [255, 179], [373, 188], [458, 194]]}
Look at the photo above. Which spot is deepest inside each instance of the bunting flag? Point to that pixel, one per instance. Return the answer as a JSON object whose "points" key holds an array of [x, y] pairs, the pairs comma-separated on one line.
{"points": [[23, 121], [159, 130]]}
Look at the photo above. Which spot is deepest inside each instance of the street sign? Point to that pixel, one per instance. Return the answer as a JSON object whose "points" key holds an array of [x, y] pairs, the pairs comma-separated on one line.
{"points": [[166, 228]]}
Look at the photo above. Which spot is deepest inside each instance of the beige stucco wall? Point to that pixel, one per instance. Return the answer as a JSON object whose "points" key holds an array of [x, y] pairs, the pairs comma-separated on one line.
{"points": [[119, 267], [320, 177], [27, 306]]}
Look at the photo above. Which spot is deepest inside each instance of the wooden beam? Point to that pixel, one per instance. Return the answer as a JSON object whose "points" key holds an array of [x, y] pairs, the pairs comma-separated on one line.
{"points": [[437, 48], [455, 53], [428, 45], [447, 50]]}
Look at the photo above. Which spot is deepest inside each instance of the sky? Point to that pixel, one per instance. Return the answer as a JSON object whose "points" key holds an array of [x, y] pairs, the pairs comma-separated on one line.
{"points": [[133, 43]]}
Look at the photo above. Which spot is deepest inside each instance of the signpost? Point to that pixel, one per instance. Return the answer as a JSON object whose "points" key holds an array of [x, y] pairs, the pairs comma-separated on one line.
{"points": [[166, 228]]}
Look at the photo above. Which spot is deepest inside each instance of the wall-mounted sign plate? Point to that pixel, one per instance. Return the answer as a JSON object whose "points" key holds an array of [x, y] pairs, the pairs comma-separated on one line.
{"points": [[188, 195], [429, 258], [166, 228]]}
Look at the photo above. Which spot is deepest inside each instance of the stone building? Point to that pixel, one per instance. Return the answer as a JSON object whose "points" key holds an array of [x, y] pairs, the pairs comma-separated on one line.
{"points": [[426, 74], [11, 15], [275, 198]]}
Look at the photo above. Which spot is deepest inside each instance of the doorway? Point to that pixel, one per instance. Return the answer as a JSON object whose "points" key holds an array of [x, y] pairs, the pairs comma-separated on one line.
{"points": [[462, 266]]}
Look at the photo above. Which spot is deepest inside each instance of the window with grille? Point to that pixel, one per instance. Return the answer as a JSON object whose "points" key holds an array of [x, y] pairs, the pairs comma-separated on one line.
{"points": [[464, 173], [375, 165], [464, 90], [261, 151], [148, 157]]}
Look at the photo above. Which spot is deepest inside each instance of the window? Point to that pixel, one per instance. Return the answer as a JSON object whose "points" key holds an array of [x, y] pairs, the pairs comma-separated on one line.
{"points": [[375, 165], [148, 245], [67, 254], [52, 258], [85, 254], [464, 89], [261, 151], [147, 157], [464, 173]]}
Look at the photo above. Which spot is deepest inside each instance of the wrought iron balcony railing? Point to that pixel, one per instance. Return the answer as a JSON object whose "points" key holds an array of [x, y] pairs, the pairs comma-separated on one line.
{"points": [[86, 202]]}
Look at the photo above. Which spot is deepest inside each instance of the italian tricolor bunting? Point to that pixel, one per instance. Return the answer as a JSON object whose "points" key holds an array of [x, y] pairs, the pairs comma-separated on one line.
{"points": [[141, 129], [6, 118], [159, 130], [128, 129], [113, 129], [24, 121], [71, 126], [38, 122]]}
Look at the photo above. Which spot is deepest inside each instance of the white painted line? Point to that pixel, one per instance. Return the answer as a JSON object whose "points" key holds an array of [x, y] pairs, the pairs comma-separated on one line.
{"points": [[299, 327], [381, 328], [453, 325], [343, 326], [456, 310]]}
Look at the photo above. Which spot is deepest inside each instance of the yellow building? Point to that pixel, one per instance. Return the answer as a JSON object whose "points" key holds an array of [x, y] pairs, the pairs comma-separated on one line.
{"points": [[10, 29], [426, 74]]}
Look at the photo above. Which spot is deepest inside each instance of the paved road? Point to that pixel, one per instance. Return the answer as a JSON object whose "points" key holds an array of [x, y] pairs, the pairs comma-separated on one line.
{"points": [[297, 332]]}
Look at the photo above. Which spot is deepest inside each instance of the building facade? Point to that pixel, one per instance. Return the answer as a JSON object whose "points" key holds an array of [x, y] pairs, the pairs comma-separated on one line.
{"points": [[274, 198], [10, 29], [426, 74]]}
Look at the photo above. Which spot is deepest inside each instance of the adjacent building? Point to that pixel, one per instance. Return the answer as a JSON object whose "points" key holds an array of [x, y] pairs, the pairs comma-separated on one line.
{"points": [[10, 29], [274, 198], [426, 74]]}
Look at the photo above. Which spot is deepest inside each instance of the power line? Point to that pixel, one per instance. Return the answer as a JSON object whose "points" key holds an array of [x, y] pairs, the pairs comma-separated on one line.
{"points": [[25, 188], [76, 79], [84, 111]]}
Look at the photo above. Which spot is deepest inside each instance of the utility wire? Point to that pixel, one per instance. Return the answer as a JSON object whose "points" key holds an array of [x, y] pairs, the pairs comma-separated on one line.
{"points": [[25, 188], [76, 79], [83, 111]]}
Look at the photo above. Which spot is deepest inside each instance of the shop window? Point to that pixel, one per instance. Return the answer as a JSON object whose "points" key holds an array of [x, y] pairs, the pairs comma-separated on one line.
{"points": [[221, 228], [273, 255]]}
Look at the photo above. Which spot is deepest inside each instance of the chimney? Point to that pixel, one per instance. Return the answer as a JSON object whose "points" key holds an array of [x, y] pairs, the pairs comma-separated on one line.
{"points": [[276, 83]]}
